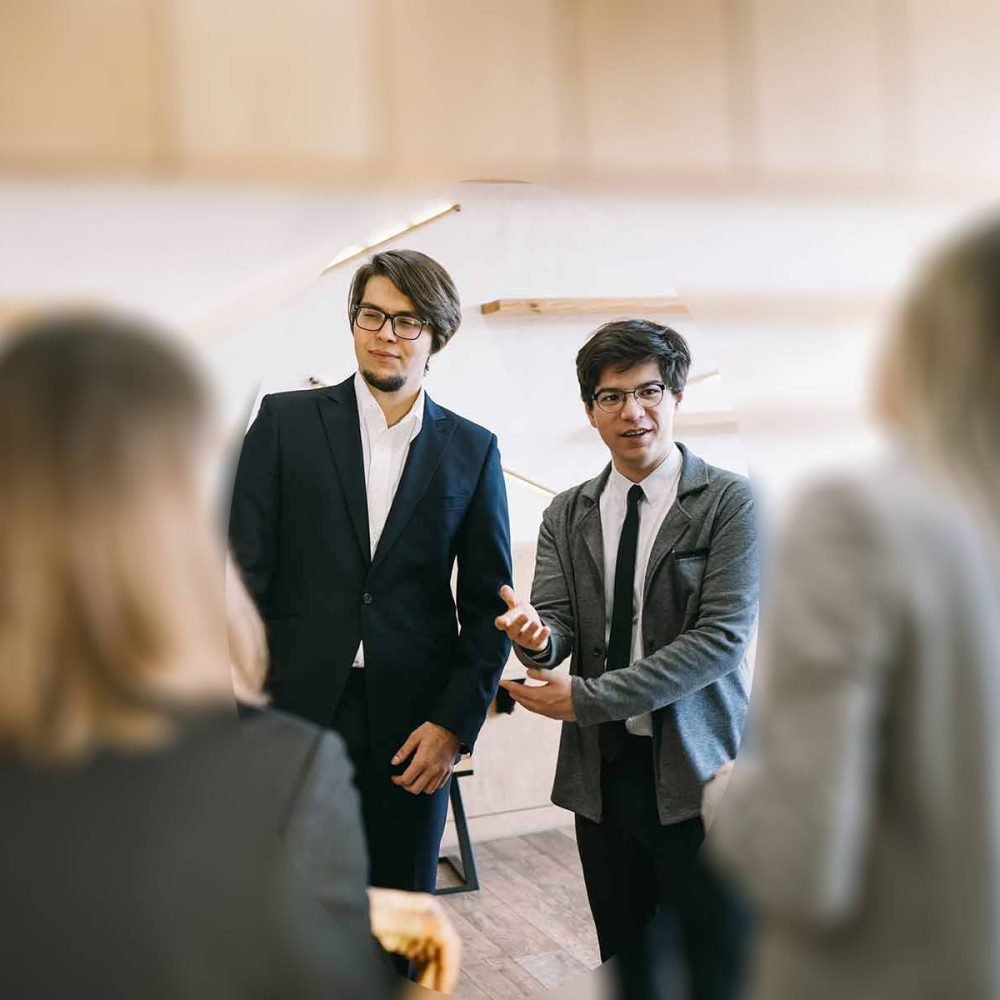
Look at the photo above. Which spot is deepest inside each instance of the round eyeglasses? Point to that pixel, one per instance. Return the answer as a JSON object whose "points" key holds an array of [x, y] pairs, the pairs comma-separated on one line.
{"points": [[647, 396], [404, 326]]}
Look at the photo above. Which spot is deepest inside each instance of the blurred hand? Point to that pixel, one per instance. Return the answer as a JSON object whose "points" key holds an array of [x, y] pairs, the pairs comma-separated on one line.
{"points": [[433, 750], [713, 791], [553, 698], [521, 622], [415, 924]]}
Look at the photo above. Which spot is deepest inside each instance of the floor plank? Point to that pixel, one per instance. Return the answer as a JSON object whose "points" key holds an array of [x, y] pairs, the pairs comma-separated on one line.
{"points": [[501, 924], [561, 913], [559, 846], [552, 968], [504, 979], [476, 947], [528, 928], [466, 989]]}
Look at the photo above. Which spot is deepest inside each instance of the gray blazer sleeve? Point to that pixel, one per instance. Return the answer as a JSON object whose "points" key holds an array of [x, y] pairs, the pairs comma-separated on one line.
{"points": [[714, 646], [550, 597], [794, 821]]}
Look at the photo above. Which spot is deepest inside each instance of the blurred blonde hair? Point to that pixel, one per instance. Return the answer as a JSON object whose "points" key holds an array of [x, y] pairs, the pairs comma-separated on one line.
{"points": [[940, 378], [112, 612]]}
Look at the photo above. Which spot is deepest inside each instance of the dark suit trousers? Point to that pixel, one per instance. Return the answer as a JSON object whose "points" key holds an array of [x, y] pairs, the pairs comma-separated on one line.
{"points": [[636, 869], [403, 831]]}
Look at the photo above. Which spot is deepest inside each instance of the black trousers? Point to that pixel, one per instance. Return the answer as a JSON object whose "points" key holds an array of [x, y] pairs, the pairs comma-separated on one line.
{"points": [[403, 831], [677, 930]]}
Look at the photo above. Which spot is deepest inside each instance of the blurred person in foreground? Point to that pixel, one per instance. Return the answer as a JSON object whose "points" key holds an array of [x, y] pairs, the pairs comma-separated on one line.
{"points": [[307, 767], [866, 827], [646, 577], [138, 856]]}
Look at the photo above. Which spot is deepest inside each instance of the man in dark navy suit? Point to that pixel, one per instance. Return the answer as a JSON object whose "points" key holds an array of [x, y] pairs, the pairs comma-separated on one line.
{"points": [[351, 506]]}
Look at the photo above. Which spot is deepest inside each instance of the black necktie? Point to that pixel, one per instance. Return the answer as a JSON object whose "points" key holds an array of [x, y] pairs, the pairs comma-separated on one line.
{"points": [[612, 734]]}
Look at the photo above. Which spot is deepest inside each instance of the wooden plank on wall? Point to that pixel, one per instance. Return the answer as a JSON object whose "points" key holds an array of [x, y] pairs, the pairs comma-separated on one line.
{"points": [[259, 85], [77, 83], [584, 306], [655, 83], [474, 85], [820, 88]]}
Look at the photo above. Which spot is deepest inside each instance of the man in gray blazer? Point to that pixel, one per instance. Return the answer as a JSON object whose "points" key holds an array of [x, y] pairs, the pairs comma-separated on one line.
{"points": [[647, 578]]}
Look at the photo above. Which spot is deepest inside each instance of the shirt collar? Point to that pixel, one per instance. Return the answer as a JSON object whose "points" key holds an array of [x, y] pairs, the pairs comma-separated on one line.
{"points": [[372, 415], [658, 484]]}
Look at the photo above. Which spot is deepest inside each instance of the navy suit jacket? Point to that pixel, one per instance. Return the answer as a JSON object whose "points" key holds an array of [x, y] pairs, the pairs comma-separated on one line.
{"points": [[299, 530]]}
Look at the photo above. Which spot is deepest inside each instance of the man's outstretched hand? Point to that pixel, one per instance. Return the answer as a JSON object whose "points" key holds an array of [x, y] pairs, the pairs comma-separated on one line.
{"points": [[521, 622]]}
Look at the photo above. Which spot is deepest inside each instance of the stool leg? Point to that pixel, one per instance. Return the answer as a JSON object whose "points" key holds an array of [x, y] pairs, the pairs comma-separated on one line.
{"points": [[467, 854]]}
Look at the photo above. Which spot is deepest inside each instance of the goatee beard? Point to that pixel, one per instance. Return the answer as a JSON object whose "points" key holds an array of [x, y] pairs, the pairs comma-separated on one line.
{"points": [[384, 383]]}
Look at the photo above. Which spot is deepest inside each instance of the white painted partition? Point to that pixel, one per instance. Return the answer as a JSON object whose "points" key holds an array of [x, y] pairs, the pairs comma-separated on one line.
{"points": [[780, 286]]}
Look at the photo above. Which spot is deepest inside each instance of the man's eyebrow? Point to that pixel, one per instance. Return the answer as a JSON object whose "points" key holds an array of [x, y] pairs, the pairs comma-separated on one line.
{"points": [[371, 305], [618, 388]]}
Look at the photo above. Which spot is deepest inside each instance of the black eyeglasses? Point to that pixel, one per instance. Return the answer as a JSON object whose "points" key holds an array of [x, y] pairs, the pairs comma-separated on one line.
{"points": [[647, 396], [404, 325]]}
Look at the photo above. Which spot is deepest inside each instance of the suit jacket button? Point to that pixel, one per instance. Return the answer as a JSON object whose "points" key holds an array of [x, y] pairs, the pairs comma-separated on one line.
{"points": [[367, 598], [597, 650]]}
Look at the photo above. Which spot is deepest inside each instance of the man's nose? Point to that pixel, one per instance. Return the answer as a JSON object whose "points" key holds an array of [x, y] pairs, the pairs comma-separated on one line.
{"points": [[631, 408], [387, 332]]}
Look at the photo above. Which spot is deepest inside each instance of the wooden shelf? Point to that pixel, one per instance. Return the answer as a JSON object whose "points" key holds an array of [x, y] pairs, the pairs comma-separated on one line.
{"points": [[586, 306]]}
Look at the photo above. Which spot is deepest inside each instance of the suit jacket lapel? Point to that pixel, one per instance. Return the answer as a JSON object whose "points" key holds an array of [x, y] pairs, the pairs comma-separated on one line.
{"points": [[588, 533], [339, 412], [694, 477], [588, 524], [426, 452]]}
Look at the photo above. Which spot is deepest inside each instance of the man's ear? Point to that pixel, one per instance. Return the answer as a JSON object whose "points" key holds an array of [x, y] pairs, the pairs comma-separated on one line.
{"points": [[677, 399], [589, 410]]}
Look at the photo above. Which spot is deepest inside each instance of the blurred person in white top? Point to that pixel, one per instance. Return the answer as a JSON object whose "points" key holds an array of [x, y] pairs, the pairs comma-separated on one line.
{"points": [[864, 819]]}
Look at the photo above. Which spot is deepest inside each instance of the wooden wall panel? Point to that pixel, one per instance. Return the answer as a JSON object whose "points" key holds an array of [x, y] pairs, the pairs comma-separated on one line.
{"points": [[954, 80], [77, 82], [655, 83], [259, 83], [474, 86], [881, 92], [819, 86]]}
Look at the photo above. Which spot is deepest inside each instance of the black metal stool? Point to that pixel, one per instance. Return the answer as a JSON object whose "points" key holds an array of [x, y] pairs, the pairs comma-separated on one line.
{"points": [[464, 865]]}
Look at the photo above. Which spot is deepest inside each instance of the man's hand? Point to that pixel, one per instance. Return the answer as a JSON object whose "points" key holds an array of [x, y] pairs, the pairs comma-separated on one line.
{"points": [[521, 622], [713, 791], [433, 750], [415, 924], [553, 699]]}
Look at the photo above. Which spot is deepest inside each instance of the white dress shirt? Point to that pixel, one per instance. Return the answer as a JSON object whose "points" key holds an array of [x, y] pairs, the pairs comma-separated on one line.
{"points": [[660, 489], [385, 450]]}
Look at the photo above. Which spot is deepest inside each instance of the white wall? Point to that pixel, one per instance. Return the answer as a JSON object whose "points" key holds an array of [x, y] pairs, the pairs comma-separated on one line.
{"points": [[238, 270]]}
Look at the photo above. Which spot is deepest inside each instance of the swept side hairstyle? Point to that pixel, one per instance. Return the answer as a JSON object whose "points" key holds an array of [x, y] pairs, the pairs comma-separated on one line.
{"points": [[624, 343], [422, 280]]}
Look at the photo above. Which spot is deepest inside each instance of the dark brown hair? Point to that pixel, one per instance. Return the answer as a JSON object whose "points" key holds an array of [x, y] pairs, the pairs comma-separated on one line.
{"points": [[624, 343], [423, 281]]}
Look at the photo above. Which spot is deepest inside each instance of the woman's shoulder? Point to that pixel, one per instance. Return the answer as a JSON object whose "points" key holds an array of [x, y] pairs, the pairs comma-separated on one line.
{"points": [[286, 743]]}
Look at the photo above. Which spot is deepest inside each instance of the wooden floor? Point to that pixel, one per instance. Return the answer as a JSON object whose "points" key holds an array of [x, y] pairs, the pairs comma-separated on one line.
{"points": [[528, 929]]}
